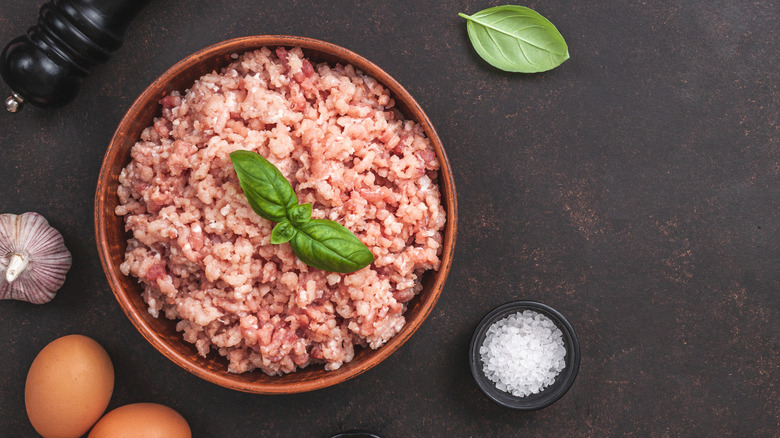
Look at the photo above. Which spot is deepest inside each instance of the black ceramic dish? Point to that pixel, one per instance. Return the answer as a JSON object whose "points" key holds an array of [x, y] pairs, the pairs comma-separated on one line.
{"points": [[355, 434], [546, 396]]}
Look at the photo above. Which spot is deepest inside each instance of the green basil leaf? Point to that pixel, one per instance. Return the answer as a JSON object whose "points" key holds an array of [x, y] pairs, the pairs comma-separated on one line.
{"points": [[282, 232], [321, 243], [516, 39], [269, 193], [299, 215], [329, 246]]}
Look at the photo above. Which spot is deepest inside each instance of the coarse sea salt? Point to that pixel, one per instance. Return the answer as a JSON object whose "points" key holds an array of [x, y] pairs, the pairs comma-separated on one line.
{"points": [[523, 353]]}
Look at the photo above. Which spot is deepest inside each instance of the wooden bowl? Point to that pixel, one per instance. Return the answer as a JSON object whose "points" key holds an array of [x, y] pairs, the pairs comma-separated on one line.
{"points": [[112, 238]]}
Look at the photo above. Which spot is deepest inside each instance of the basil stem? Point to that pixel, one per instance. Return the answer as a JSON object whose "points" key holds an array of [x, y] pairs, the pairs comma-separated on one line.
{"points": [[321, 243], [516, 39]]}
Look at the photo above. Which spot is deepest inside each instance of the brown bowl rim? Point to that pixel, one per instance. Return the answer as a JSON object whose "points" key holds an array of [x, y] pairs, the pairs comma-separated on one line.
{"points": [[108, 181]]}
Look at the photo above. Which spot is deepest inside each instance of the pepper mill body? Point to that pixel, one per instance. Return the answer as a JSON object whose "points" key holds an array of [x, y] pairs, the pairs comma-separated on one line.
{"points": [[46, 66]]}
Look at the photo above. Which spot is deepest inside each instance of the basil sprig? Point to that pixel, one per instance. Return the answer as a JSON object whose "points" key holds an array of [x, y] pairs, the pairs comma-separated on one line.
{"points": [[516, 39], [321, 243]]}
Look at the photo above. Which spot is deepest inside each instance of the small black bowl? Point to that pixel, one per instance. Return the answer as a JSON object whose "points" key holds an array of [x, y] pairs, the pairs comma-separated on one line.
{"points": [[547, 395]]}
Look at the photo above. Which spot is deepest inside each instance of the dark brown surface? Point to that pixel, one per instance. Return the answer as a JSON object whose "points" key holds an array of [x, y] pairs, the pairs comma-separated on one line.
{"points": [[111, 236], [636, 189]]}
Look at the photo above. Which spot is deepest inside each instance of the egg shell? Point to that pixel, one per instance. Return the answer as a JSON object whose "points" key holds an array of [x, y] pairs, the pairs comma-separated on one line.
{"points": [[68, 387], [142, 420]]}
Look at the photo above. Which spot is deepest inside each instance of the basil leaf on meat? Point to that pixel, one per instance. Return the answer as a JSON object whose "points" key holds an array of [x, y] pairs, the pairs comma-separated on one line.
{"points": [[329, 246], [321, 243], [516, 39], [282, 232], [269, 193]]}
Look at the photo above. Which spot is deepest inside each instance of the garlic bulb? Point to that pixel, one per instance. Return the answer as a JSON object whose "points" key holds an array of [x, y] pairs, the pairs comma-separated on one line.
{"points": [[33, 258]]}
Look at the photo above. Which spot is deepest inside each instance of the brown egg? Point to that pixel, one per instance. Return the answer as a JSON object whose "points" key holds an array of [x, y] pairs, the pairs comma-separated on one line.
{"points": [[142, 420], [68, 387]]}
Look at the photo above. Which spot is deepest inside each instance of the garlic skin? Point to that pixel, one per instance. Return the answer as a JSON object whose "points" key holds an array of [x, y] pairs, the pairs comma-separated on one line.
{"points": [[33, 258]]}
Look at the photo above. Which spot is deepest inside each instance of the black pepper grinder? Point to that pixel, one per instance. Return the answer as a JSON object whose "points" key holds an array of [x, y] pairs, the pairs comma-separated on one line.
{"points": [[45, 67]]}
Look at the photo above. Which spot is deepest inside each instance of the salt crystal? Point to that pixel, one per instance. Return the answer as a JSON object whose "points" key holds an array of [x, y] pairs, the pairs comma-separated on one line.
{"points": [[523, 353]]}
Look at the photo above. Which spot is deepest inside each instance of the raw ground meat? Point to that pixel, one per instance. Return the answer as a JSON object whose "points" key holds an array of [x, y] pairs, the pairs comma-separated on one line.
{"points": [[204, 257]]}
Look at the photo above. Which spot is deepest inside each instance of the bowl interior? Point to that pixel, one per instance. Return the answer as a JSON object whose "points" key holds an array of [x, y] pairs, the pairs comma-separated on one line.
{"points": [[112, 238], [549, 394]]}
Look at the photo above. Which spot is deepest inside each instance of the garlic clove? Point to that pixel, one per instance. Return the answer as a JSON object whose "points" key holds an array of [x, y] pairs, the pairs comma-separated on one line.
{"points": [[33, 258]]}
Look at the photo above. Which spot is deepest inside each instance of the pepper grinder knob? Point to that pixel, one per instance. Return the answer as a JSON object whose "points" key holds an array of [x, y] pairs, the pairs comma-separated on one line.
{"points": [[14, 103], [46, 66]]}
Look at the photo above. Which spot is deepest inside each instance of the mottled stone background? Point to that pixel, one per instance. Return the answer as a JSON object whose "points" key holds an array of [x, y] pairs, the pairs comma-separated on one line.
{"points": [[636, 188]]}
